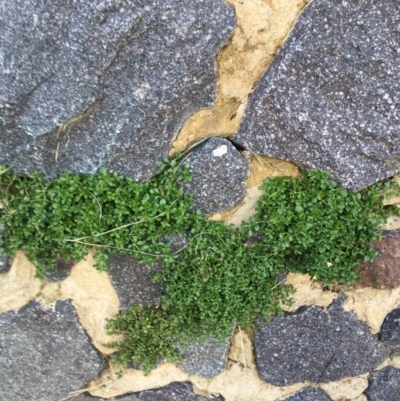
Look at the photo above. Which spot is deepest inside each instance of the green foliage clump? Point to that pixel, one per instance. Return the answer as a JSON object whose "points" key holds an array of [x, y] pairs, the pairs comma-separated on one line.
{"points": [[319, 228], [67, 216], [150, 336], [222, 276]]}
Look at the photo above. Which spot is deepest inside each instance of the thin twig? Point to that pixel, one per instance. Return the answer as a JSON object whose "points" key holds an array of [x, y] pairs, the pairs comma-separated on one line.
{"points": [[101, 212], [278, 284], [58, 147], [78, 392], [117, 228], [133, 250], [181, 249], [115, 247], [4, 171]]}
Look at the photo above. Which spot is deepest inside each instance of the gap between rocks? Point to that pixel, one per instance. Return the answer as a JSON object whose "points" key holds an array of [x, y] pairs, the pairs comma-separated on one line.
{"points": [[262, 28]]}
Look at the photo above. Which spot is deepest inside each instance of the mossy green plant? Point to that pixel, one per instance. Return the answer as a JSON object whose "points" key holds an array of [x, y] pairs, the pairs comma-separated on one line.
{"points": [[222, 276]]}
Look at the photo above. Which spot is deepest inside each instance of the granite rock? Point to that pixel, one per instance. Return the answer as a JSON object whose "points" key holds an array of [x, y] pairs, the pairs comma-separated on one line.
{"points": [[133, 281], [45, 353], [61, 270], [330, 100], [104, 83], [391, 233], [316, 345], [205, 359], [5, 263], [384, 385], [177, 391], [219, 175], [390, 331], [309, 394]]}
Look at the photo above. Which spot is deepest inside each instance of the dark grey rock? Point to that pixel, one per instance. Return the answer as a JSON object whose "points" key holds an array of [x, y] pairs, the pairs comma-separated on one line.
{"points": [[309, 394], [45, 354], [104, 83], [177, 391], [5, 263], [85, 397], [220, 172], [205, 359], [61, 270], [391, 233], [390, 331], [133, 281], [316, 345], [384, 385], [330, 100]]}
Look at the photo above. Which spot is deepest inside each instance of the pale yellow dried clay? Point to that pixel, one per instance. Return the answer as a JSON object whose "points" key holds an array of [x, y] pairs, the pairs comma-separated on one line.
{"points": [[262, 27], [18, 286]]}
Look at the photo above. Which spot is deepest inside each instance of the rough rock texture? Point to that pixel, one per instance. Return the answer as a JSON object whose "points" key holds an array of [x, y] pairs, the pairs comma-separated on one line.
{"points": [[104, 83], [61, 271], [390, 332], [330, 100], [384, 385], [173, 392], [384, 271], [262, 27], [133, 281], [45, 353], [309, 394], [394, 233], [205, 359], [4, 263], [220, 172], [316, 345]]}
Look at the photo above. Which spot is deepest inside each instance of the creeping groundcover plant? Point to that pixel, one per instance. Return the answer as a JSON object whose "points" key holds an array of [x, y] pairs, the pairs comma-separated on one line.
{"points": [[221, 277]]}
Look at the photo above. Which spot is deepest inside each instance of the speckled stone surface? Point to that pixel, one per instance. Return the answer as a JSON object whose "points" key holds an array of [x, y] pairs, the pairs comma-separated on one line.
{"points": [[5, 263], [133, 281], [45, 354], [390, 331], [174, 392], [316, 345], [205, 359], [384, 385], [61, 270], [330, 100], [309, 394], [104, 83], [220, 172], [392, 234]]}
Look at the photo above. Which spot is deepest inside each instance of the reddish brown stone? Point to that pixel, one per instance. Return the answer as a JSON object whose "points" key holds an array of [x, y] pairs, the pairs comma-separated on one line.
{"points": [[384, 271]]}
